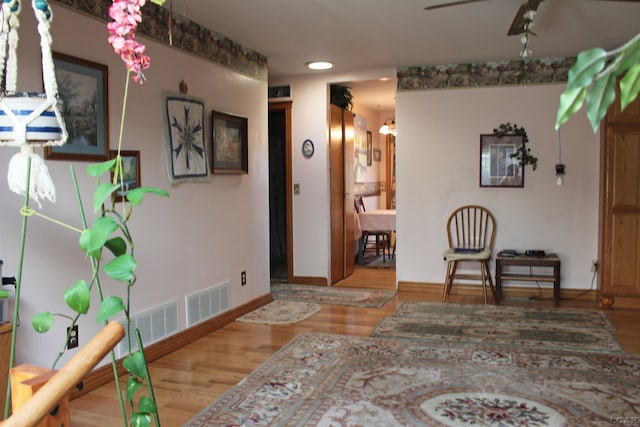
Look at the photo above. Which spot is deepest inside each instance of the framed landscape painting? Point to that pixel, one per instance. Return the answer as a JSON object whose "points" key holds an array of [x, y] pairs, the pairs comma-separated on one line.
{"points": [[229, 144], [130, 172], [82, 87]]}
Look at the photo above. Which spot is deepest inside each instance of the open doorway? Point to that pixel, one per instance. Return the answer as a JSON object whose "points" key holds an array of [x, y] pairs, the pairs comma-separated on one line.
{"points": [[374, 170], [279, 195]]}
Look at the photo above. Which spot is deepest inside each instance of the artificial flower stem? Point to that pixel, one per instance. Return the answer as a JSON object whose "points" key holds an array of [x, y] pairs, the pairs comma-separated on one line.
{"points": [[94, 267], [16, 303]]}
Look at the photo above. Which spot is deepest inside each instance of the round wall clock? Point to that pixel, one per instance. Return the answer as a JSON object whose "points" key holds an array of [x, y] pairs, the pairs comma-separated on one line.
{"points": [[307, 148]]}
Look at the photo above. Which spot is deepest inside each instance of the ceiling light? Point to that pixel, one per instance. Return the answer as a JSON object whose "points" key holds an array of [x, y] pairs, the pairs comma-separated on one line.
{"points": [[319, 65], [389, 127]]}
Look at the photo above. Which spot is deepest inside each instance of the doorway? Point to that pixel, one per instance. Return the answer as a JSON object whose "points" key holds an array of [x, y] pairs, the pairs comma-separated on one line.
{"points": [[280, 230]]}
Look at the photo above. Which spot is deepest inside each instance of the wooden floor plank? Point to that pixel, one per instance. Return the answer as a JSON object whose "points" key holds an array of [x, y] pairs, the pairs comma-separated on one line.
{"points": [[189, 379]]}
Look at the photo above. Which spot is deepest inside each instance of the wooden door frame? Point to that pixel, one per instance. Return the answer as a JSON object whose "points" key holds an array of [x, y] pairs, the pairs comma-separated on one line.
{"points": [[287, 107]]}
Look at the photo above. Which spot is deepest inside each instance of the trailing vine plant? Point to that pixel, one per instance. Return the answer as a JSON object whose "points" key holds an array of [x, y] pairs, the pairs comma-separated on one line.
{"points": [[108, 243], [523, 153]]}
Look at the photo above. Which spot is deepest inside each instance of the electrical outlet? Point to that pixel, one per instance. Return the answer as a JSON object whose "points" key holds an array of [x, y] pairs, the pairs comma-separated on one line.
{"points": [[72, 335], [243, 278], [594, 265]]}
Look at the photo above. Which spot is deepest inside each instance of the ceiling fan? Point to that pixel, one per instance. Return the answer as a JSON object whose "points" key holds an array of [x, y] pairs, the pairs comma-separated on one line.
{"points": [[517, 25]]}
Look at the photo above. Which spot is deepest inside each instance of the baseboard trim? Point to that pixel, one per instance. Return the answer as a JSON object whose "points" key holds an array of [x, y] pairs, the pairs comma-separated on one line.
{"points": [[309, 280], [104, 374], [507, 291]]}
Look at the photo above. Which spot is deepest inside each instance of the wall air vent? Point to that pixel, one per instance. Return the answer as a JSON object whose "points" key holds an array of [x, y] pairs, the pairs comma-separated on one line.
{"points": [[154, 324], [279, 91], [207, 303]]}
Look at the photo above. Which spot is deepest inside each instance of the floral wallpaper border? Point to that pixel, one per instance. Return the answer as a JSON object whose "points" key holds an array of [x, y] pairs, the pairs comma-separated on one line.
{"points": [[186, 35], [504, 73]]}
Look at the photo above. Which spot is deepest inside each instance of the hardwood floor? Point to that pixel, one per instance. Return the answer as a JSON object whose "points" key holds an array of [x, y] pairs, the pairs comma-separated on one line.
{"points": [[189, 379]]}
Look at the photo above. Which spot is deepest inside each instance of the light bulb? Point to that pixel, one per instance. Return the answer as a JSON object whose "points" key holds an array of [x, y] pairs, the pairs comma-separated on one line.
{"points": [[559, 180]]}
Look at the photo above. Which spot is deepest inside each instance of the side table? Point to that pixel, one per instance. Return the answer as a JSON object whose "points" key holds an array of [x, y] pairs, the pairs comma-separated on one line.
{"points": [[521, 260]]}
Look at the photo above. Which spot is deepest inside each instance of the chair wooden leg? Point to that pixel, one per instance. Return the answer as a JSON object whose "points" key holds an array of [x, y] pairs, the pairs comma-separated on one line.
{"points": [[448, 281], [490, 280], [483, 276]]}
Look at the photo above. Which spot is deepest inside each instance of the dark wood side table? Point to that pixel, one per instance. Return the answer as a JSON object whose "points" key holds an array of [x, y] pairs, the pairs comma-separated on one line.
{"points": [[521, 260]]}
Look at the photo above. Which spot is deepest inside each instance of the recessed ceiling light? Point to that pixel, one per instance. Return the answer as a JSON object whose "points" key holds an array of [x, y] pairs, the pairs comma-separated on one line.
{"points": [[319, 65]]}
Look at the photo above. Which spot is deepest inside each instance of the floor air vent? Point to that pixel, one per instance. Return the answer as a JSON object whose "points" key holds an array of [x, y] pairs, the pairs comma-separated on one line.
{"points": [[154, 324], [208, 303]]}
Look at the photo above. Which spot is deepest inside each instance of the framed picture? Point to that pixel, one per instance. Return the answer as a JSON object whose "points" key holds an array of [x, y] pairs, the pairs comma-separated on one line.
{"points": [[369, 147], [184, 128], [130, 172], [82, 87], [377, 153], [497, 166], [230, 146]]}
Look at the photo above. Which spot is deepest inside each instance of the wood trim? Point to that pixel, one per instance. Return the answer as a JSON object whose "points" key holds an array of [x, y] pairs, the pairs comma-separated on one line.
{"points": [[309, 280], [104, 374], [287, 106], [507, 291]]}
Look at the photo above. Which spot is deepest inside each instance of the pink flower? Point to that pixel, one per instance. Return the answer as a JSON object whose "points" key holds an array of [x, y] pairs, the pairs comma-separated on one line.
{"points": [[122, 36]]}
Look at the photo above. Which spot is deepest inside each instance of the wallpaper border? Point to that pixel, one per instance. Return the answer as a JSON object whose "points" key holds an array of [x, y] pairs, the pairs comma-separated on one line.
{"points": [[498, 73], [186, 36]]}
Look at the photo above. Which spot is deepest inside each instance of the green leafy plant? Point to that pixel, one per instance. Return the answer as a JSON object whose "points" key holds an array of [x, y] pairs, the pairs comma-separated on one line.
{"points": [[108, 243], [523, 153], [341, 96], [593, 79]]}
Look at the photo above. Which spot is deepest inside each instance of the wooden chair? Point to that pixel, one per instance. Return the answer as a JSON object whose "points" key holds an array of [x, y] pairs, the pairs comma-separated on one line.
{"points": [[382, 238], [470, 230]]}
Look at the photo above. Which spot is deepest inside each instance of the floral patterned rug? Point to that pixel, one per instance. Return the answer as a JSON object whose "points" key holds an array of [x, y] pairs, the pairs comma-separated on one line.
{"points": [[331, 295], [570, 329], [281, 312], [500, 313], [334, 380]]}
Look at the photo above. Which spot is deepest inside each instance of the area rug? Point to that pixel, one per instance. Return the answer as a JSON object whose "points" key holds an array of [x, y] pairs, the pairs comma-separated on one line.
{"points": [[501, 313], [505, 332], [373, 298], [333, 380], [281, 312], [373, 261]]}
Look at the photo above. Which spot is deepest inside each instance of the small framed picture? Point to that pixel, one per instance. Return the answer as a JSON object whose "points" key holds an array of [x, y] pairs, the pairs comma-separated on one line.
{"points": [[369, 148], [130, 172], [82, 87], [230, 145], [377, 153], [498, 167]]}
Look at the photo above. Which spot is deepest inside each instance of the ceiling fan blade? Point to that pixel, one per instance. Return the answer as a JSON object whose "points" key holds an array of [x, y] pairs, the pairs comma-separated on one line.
{"points": [[451, 3], [517, 26]]}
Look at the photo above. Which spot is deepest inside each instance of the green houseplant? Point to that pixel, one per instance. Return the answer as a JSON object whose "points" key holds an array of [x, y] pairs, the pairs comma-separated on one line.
{"points": [[108, 243], [522, 154], [341, 96]]}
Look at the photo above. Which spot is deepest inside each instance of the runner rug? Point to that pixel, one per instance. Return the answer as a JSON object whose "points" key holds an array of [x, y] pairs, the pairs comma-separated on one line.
{"points": [[334, 380], [281, 312], [331, 295], [525, 327]]}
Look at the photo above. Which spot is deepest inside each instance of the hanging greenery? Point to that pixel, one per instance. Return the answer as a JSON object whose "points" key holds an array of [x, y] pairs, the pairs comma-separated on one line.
{"points": [[523, 153], [341, 96]]}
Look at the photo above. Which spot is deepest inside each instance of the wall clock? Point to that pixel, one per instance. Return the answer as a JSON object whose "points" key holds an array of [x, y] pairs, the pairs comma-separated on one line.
{"points": [[307, 148]]}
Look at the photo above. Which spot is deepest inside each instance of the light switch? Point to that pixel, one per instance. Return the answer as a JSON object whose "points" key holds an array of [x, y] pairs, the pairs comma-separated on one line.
{"points": [[296, 188]]}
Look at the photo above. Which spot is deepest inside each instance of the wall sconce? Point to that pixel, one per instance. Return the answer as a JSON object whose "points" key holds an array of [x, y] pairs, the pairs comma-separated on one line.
{"points": [[560, 174], [389, 127]]}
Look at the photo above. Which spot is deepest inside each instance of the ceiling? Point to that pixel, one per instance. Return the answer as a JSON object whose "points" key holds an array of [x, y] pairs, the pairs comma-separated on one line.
{"points": [[359, 35]]}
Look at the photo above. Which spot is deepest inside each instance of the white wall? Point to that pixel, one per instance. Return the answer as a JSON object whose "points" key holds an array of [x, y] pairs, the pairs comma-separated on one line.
{"points": [[438, 147], [204, 234]]}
